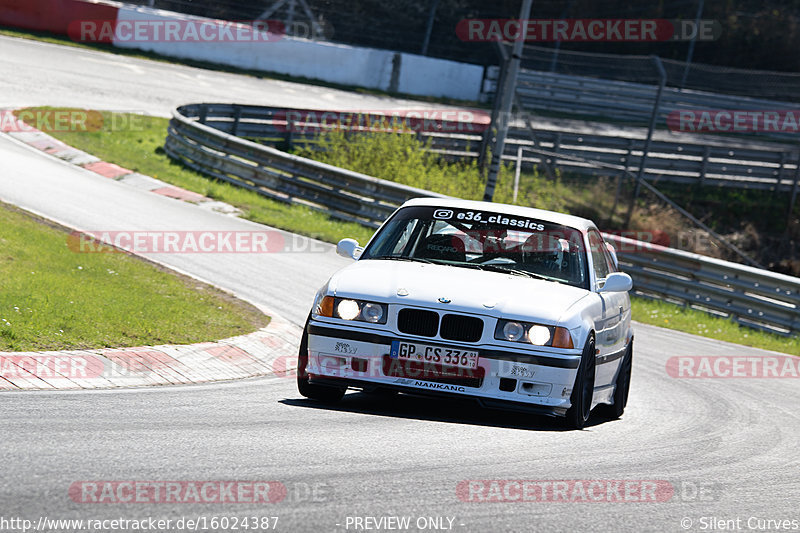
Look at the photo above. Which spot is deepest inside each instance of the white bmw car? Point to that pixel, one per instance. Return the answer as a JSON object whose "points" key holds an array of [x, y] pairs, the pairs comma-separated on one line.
{"points": [[516, 308]]}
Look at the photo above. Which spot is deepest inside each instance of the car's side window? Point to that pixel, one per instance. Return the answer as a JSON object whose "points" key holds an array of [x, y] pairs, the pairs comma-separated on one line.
{"points": [[612, 265], [599, 258]]}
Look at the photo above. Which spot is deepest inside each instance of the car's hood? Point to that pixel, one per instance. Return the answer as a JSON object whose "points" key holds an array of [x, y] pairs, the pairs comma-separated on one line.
{"points": [[468, 290]]}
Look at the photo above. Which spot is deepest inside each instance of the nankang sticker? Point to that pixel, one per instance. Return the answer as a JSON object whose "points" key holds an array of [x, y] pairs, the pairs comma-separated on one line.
{"points": [[440, 386]]}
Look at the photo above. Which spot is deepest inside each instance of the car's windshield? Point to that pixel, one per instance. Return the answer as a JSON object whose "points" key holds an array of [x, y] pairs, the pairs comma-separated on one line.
{"points": [[483, 240]]}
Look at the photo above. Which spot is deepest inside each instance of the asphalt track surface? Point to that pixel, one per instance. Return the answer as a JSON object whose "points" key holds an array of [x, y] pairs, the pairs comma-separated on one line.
{"points": [[734, 438], [36, 73]]}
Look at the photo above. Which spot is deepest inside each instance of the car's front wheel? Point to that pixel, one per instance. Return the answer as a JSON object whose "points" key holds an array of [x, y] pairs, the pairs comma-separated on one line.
{"points": [[321, 393], [583, 390]]}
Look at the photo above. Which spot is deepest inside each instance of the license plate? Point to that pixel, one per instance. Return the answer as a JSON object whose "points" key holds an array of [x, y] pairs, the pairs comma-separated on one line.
{"points": [[434, 354]]}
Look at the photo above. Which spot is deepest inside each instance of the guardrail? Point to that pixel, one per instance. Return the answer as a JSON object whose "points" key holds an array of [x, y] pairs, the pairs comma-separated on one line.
{"points": [[276, 174], [201, 137], [691, 159], [628, 101], [750, 296]]}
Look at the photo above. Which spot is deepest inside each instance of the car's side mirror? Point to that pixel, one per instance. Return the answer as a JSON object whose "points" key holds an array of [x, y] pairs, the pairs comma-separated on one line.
{"points": [[617, 282], [349, 248]]}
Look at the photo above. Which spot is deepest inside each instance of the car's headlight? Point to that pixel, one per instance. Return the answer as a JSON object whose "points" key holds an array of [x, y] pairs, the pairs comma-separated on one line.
{"points": [[349, 309], [539, 335], [372, 312], [513, 331], [536, 334]]}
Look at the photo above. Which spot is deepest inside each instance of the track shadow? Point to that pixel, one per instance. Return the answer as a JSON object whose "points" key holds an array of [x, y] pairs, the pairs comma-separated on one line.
{"points": [[447, 410]]}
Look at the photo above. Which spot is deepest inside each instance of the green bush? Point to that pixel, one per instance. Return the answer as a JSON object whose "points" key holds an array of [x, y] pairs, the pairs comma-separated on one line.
{"points": [[403, 158]]}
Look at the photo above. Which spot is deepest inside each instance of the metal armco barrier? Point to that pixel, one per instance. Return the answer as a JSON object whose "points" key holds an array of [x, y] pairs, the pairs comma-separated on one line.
{"points": [[628, 101], [276, 174], [202, 137], [691, 159], [752, 297]]}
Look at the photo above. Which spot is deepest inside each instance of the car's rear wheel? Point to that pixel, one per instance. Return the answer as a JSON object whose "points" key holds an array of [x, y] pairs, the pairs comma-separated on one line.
{"points": [[583, 390], [621, 387], [321, 393]]}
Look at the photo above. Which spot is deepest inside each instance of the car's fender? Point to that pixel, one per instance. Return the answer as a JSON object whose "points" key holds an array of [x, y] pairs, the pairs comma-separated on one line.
{"points": [[582, 317]]}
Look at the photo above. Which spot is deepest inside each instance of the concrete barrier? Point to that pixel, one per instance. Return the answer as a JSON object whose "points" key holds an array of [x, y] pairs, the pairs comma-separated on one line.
{"points": [[335, 63], [428, 76]]}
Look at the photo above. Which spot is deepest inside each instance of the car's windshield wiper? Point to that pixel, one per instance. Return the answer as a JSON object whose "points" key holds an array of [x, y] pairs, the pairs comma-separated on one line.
{"points": [[403, 258], [517, 271]]}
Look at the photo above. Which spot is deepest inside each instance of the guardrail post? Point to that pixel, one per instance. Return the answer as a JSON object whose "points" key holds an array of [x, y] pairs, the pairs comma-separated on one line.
{"points": [[237, 116], [779, 177], [289, 131], [704, 165], [203, 114], [556, 146]]}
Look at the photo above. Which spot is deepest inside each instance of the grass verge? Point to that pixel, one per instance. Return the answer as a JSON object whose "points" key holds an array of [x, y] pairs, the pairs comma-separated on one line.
{"points": [[397, 158], [52, 298], [667, 315]]}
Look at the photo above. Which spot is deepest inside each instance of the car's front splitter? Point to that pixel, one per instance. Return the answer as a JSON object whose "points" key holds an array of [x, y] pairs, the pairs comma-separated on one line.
{"points": [[489, 403]]}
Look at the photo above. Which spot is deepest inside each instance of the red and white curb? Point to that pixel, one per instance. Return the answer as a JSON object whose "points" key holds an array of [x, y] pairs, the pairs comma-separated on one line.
{"points": [[27, 134], [269, 351]]}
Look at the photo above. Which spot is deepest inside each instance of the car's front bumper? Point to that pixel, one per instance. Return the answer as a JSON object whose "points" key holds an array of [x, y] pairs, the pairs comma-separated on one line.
{"points": [[526, 379]]}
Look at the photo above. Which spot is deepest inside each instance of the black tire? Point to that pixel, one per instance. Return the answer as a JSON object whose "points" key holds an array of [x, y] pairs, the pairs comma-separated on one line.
{"points": [[321, 393], [583, 390], [621, 387]]}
